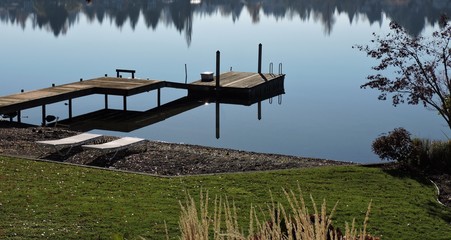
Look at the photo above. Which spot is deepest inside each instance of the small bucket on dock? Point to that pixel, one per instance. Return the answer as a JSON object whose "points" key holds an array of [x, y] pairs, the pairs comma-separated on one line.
{"points": [[206, 76]]}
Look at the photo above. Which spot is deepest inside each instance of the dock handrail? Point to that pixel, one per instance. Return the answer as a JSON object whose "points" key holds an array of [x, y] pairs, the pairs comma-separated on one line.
{"points": [[271, 68], [280, 68]]}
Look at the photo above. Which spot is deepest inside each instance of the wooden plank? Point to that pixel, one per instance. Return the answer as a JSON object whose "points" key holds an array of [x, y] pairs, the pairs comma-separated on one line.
{"points": [[7, 101], [121, 80], [239, 80], [120, 83], [224, 78]]}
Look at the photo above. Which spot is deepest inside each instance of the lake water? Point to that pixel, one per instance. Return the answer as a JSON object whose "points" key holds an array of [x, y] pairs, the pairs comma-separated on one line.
{"points": [[324, 113]]}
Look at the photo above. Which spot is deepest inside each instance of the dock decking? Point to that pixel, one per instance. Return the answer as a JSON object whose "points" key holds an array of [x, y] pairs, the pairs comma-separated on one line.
{"points": [[232, 85], [103, 85]]}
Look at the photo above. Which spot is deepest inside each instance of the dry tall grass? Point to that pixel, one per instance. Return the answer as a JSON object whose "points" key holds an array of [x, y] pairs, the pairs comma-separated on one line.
{"points": [[197, 223]]}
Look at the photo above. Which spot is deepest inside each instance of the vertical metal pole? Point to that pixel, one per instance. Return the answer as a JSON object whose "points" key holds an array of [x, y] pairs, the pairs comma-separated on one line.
{"points": [[260, 58], [218, 63], [125, 103], [106, 101], [70, 108], [43, 115], [133, 75], [218, 127], [159, 97], [117, 73]]}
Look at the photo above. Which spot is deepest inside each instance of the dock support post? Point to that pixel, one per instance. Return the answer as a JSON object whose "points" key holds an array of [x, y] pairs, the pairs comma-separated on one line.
{"points": [[125, 103], [218, 63], [70, 108], [159, 97], [260, 58], [106, 101], [43, 115], [19, 114], [186, 74]]}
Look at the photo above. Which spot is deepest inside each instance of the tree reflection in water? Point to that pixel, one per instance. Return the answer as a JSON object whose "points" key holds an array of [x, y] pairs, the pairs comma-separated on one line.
{"points": [[59, 15]]}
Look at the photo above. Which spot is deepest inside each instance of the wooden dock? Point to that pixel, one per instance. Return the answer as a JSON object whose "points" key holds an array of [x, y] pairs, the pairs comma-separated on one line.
{"points": [[232, 87]]}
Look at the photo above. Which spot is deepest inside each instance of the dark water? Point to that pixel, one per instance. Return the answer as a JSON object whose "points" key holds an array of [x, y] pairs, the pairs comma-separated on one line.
{"points": [[323, 114]]}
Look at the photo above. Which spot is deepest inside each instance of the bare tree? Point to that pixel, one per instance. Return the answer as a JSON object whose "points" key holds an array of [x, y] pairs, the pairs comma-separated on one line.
{"points": [[420, 65]]}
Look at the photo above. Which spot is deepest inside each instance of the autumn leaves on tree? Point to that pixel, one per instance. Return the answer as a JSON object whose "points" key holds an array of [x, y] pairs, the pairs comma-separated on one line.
{"points": [[420, 66]]}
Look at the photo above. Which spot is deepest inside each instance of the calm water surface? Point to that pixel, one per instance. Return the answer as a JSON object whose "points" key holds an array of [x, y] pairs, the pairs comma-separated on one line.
{"points": [[323, 114]]}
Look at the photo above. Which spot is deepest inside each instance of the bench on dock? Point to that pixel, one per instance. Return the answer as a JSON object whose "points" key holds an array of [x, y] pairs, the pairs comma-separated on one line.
{"points": [[125, 71], [115, 146]]}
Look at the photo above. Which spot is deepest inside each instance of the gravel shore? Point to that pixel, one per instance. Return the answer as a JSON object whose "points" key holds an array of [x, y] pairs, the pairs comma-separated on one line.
{"points": [[152, 157]]}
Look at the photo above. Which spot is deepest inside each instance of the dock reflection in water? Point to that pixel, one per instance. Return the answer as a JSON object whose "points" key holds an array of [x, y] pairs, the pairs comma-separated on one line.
{"points": [[128, 121]]}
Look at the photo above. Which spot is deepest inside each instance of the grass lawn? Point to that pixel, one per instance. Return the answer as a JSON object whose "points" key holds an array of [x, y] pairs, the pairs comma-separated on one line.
{"points": [[41, 200]]}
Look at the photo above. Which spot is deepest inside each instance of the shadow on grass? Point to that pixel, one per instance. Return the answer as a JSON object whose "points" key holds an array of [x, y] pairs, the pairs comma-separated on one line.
{"points": [[403, 172], [435, 209]]}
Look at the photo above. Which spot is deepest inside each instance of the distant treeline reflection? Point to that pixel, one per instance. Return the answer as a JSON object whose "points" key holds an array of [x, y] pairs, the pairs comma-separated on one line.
{"points": [[58, 16]]}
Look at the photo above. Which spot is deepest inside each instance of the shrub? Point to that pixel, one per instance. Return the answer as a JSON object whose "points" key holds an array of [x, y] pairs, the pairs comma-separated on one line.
{"points": [[396, 145], [433, 155]]}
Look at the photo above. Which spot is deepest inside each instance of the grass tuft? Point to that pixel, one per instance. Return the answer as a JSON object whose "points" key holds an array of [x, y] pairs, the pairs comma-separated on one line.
{"points": [[298, 223]]}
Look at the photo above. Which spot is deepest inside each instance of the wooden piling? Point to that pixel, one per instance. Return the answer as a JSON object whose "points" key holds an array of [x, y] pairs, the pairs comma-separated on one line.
{"points": [[70, 108], [106, 101], [260, 58], [43, 115], [218, 63]]}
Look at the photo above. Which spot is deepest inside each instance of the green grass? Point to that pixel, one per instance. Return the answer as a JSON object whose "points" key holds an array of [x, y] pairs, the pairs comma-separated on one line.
{"points": [[47, 200]]}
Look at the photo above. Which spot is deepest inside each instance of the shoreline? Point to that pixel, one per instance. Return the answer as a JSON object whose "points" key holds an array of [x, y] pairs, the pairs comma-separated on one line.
{"points": [[157, 158]]}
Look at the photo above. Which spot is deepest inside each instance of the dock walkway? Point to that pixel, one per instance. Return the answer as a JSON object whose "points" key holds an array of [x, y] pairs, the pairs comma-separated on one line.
{"points": [[231, 85]]}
